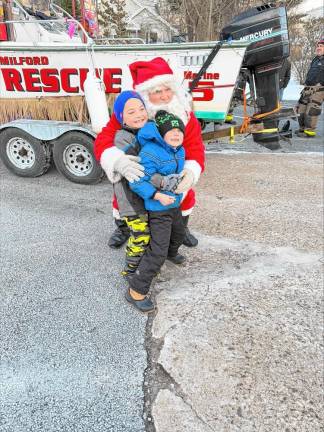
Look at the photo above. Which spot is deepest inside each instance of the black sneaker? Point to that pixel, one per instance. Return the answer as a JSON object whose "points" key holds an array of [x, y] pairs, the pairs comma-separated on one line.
{"points": [[189, 239], [146, 305], [118, 238], [177, 259]]}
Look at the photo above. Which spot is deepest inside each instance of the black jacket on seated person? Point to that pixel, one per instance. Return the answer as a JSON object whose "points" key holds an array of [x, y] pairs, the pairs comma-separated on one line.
{"points": [[315, 74]]}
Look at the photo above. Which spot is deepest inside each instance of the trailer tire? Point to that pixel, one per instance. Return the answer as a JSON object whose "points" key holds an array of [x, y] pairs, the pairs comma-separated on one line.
{"points": [[73, 158], [23, 154]]}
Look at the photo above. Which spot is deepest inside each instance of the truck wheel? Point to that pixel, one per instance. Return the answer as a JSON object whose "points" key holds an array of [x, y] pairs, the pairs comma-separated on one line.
{"points": [[23, 154], [73, 157]]}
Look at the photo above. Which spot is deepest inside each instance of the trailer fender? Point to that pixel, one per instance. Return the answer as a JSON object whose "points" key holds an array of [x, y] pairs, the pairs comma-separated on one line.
{"points": [[47, 130]]}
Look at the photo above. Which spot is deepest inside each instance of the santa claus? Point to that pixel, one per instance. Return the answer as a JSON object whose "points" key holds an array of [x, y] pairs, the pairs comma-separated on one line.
{"points": [[155, 82]]}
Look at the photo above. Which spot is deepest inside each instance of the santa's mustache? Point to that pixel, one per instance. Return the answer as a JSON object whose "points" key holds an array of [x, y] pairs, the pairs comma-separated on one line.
{"points": [[174, 107]]}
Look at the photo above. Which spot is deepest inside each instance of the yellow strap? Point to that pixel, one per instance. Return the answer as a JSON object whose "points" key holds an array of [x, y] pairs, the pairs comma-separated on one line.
{"points": [[309, 133], [272, 130], [232, 133]]}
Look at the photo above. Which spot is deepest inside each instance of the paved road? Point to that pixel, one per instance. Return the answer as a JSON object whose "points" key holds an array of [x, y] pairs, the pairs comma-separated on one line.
{"points": [[72, 352]]}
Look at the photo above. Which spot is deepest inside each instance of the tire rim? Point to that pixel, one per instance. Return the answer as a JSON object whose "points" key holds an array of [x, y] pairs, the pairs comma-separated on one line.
{"points": [[78, 160], [20, 153]]}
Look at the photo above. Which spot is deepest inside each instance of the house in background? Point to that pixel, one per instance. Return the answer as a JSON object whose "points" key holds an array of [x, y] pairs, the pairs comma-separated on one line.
{"points": [[143, 19], [145, 22]]}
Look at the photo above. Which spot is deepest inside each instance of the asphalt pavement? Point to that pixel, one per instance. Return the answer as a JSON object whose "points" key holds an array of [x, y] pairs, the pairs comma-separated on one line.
{"points": [[72, 352]]}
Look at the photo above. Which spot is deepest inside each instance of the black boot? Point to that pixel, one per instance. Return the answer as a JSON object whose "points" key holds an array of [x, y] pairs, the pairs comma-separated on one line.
{"points": [[177, 259], [189, 240], [120, 235]]}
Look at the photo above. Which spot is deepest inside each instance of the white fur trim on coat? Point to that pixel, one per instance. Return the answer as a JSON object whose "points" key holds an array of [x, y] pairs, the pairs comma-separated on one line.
{"points": [[108, 160], [184, 195], [194, 167], [154, 82], [116, 213], [187, 212]]}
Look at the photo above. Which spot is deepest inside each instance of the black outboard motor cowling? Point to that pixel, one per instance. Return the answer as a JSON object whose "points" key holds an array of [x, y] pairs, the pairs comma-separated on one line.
{"points": [[263, 57]]}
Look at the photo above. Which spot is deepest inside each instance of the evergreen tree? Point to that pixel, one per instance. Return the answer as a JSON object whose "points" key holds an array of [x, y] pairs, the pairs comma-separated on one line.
{"points": [[112, 15]]}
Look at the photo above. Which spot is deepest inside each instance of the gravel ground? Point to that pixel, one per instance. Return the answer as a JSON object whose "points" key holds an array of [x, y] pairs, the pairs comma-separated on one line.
{"points": [[275, 199], [72, 352], [237, 339]]}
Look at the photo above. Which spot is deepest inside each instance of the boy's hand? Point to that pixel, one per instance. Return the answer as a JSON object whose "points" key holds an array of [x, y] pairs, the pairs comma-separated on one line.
{"points": [[128, 167], [164, 199]]}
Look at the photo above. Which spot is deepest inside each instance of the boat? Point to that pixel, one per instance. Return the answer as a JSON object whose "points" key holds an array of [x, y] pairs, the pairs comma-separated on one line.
{"points": [[45, 61]]}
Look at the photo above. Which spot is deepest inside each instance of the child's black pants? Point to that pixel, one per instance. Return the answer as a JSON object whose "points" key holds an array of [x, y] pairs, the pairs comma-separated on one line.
{"points": [[167, 234]]}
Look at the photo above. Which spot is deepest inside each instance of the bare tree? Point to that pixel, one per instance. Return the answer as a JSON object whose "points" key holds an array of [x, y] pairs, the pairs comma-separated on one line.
{"points": [[202, 20], [303, 43], [112, 15]]}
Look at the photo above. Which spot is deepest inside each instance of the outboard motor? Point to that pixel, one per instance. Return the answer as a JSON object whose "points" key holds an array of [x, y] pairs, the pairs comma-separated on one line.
{"points": [[263, 57]]}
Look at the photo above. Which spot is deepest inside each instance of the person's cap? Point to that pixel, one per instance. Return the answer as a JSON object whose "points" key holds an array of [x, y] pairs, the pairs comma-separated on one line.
{"points": [[121, 100], [320, 42], [166, 121]]}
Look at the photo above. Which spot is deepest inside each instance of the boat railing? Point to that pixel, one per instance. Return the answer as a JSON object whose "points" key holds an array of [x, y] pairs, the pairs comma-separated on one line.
{"points": [[119, 41], [59, 11], [50, 30]]}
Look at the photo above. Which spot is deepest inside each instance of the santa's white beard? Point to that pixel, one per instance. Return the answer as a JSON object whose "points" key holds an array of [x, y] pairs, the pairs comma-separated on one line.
{"points": [[175, 107]]}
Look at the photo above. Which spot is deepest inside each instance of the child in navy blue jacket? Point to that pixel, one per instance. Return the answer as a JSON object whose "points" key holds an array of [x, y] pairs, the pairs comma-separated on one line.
{"points": [[161, 152]]}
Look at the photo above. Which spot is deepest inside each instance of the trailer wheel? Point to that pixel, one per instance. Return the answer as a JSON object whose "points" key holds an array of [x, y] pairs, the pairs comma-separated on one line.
{"points": [[73, 158], [23, 154]]}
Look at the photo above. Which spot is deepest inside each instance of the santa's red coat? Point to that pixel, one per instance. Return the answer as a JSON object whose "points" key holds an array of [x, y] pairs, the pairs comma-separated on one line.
{"points": [[193, 145]]}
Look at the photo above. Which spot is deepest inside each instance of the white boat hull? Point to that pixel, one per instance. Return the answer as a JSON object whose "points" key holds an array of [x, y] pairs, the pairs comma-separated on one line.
{"points": [[60, 70]]}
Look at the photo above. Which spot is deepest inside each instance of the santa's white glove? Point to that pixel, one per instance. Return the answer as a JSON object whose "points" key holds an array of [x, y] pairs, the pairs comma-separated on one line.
{"points": [[127, 166], [188, 180]]}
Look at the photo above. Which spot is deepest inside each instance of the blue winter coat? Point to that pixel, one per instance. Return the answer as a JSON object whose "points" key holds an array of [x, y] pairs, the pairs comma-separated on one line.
{"points": [[157, 157]]}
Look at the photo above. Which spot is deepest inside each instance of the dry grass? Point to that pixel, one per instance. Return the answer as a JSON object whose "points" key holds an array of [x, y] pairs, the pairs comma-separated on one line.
{"points": [[63, 108]]}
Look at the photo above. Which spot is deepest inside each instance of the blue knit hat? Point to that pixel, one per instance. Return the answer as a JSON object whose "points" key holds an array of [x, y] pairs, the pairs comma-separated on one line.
{"points": [[121, 100]]}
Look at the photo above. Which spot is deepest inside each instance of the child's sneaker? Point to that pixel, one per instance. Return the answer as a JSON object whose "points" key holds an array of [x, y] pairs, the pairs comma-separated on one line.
{"points": [[146, 305], [177, 259]]}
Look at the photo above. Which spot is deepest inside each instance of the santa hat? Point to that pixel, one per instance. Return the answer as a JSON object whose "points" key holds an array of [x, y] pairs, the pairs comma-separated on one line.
{"points": [[149, 74], [320, 42]]}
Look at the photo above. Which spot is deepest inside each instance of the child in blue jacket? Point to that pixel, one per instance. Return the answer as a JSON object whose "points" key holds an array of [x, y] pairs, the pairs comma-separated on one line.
{"points": [[131, 113], [161, 152]]}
